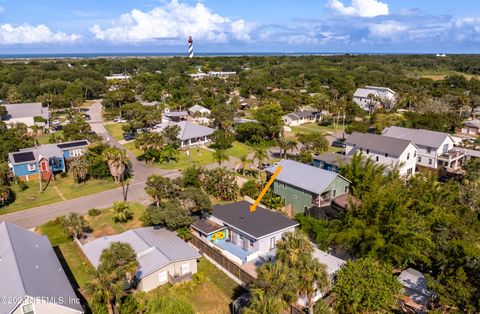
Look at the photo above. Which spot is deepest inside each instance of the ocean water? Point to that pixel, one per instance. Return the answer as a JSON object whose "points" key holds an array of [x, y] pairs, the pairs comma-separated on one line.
{"points": [[170, 54]]}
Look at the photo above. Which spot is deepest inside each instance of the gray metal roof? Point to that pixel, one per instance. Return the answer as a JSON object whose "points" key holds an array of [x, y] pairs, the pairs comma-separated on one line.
{"points": [[189, 130], [419, 137], [375, 90], [198, 108], [155, 247], [29, 267], [25, 110], [301, 114], [333, 158], [176, 114], [304, 176], [415, 285], [472, 123], [472, 153], [258, 224], [333, 263], [378, 143]]}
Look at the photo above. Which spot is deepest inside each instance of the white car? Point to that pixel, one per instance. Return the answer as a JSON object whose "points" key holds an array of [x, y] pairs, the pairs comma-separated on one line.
{"points": [[55, 122]]}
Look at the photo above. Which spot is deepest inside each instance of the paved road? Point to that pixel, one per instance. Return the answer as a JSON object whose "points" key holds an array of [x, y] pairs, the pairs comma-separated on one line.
{"points": [[36, 216]]}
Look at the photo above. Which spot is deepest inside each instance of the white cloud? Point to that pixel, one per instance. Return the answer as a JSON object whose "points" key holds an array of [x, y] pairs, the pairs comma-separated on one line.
{"points": [[387, 29], [174, 21], [362, 8], [29, 34]]}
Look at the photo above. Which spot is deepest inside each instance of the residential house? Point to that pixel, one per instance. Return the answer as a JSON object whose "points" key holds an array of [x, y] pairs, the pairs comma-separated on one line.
{"points": [[331, 161], [470, 128], [200, 114], [241, 235], [190, 134], [332, 263], [389, 151], [248, 103], [32, 279], [219, 74], [162, 256], [118, 76], [26, 113], [304, 186], [45, 160], [301, 117], [417, 297], [199, 110], [176, 116], [382, 96], [435, 149]]}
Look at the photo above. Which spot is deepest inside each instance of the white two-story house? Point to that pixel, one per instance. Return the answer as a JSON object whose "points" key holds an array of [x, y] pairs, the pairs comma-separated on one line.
{"points": [[384, 96], [389, 151], [435, 149]]}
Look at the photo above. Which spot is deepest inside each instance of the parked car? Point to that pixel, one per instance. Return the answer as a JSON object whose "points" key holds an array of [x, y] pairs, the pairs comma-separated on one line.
{"points": [[128, 136], [339, 143], [86, 117], [55, 122], [57, 127], [119, 120]]}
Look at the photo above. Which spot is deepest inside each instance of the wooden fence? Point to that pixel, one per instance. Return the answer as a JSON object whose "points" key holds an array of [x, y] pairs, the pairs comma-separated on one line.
{"points": [[218, 257]]}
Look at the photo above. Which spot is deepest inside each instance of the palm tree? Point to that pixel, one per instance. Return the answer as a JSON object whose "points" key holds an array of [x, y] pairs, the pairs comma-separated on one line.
{"points": [[79, 169], [118, 164], [293, 249], [75, 225], [260, 155], [121, 212], [312, 278], [118, 265], [261, 302], [220, 155], [286, 145], [244, 163]]}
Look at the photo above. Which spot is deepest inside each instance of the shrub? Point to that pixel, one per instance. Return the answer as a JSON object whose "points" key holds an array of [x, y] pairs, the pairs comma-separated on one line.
{"points": [[251, 188], [22, 185], [94, 212], [184, 233], [121, 212]]}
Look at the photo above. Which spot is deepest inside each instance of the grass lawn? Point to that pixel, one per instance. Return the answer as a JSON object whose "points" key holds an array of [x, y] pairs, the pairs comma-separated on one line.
{"points": [[32, 197], [131, 147], [441, 74], [239, 149], [103, 224], [43, 139], [313, 127], [71, 190], [115, 130], [211, 296]]}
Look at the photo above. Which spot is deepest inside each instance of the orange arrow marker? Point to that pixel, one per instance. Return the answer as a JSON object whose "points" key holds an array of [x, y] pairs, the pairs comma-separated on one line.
{"points": [[253, 207]]}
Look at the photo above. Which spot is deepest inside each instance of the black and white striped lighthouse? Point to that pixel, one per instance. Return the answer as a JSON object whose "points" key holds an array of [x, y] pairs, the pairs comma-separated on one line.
{"points": [[190, 47]]}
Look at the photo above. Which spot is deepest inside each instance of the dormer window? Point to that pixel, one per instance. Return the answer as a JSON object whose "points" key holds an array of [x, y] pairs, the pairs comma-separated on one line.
{"points": [[31, 167]]}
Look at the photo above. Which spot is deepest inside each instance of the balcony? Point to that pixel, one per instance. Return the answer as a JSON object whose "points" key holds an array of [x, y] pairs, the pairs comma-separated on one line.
{"points": [[322, 201], [179, 278], [453, 154]]}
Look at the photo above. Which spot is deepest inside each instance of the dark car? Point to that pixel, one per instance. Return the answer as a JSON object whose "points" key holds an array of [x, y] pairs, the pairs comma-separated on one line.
{"points": [[86, 117], [128, 136], [339, 143], [57, 127]]}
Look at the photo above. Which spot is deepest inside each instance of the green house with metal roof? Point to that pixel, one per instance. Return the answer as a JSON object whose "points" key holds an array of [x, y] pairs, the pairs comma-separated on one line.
{"points": [[304, 186]]}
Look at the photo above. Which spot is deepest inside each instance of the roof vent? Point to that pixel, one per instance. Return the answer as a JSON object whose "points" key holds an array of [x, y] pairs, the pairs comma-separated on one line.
{"points": [[36, 266]]}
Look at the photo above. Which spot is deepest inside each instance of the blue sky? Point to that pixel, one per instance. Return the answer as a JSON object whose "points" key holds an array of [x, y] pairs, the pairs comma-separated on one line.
{"points": [[32, 26]]}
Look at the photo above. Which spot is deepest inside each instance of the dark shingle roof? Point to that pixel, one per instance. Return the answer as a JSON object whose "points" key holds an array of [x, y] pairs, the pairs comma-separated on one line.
{"points": [[258, 224], [207, 226], [29, 267], [301, 114], [378, 143]]}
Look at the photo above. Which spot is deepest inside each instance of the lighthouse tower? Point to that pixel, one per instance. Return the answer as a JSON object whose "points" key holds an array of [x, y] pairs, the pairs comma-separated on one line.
{"points": [[190, 47]]}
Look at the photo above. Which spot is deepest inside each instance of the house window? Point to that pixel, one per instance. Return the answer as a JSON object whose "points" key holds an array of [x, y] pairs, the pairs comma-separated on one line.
{"points": [[409, 171], [346, 189], [429, 150], [415, 154], [31, 167], [334, 193], [305, 192], [162, 277], [376, 158], [408, 156], [368, 151], [386, 155], [251, 243], [305, 209], [430, 161], [56, 162], [185, 269], [28, 309], [272, 243], [295, 196], [283, 184]]}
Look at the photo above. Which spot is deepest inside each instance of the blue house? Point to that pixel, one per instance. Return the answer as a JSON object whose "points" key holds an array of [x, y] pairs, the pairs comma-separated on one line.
{"points": [[44, 160]]}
